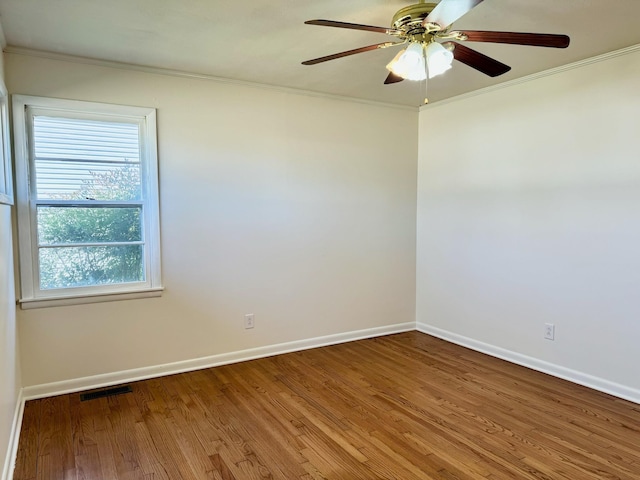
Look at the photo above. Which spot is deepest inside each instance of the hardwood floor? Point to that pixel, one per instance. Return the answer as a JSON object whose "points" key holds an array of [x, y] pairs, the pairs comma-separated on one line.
{"points": [[405, 406]]}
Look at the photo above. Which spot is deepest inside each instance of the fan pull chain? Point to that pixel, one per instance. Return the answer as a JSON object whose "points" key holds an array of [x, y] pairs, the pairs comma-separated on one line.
{"points": [[426, 76]]}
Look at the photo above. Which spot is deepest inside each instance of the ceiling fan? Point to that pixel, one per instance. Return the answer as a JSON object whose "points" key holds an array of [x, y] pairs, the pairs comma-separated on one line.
{"points": [[421, 26]]}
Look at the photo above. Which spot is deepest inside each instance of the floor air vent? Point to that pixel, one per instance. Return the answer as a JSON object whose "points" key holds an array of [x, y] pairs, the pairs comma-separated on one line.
{"points": [[109, 392]]}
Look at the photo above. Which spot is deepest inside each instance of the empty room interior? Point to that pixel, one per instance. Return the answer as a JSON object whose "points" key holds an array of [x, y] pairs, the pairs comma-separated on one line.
{"points": [[227, 253]]}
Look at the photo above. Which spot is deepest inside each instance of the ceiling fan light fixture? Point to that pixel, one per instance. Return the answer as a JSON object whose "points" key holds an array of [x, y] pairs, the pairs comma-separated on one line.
{"points": [[409, 63], [439, 59], [422, 26]]}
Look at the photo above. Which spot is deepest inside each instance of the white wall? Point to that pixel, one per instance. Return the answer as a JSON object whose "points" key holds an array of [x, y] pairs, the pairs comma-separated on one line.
{"points": [[298, 209], [529, 212], [9, 363]]}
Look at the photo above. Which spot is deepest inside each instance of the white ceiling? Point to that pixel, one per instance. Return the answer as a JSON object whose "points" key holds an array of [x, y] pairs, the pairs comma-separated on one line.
{"points": [[264, 41]]}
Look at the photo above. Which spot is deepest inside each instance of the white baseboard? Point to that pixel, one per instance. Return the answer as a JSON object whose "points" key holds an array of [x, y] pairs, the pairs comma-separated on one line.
{"points": [[596, 383], [12, 449], [115, 378], [108, 379]]}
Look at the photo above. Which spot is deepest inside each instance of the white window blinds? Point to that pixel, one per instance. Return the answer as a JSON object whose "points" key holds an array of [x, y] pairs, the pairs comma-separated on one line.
{"points": [[86, 159]]}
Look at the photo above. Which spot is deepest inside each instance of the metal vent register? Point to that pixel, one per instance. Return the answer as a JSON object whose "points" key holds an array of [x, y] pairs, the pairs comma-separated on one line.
{"points": [[109, 392]]}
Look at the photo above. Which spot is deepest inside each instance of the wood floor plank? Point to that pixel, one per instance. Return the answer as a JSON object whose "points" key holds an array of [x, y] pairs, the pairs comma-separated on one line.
{"points": [[88, 462], [106, 457], [27, 458], [56, 448], [405, 406], [236, 446], [156, 417], [121, 427], [264, 427]]}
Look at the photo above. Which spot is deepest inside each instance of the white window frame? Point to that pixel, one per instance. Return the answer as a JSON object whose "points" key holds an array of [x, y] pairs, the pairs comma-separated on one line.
{"points": [[31, 294], [6, 182]]}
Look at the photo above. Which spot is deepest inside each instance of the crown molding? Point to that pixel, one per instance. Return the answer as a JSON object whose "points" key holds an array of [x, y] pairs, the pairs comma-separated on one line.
{"points": [[194, 75], [309, 93], [535, 76]]}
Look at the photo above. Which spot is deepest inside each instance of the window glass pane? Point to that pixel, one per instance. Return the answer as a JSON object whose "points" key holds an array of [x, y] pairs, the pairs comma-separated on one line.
{"points": [[64, 267], [80, 159], [58, 225]]}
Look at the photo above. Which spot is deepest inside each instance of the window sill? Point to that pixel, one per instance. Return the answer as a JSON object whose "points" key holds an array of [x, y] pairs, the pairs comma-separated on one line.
{"points": [[29, 303]]}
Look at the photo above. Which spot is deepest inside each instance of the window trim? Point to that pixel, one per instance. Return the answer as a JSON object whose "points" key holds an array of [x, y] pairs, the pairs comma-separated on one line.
{"points": [[6, 174], [31, 294]]}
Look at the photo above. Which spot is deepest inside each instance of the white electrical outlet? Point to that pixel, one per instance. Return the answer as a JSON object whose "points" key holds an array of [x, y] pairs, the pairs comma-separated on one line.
{"points": [[549, 331], [249, 321]]}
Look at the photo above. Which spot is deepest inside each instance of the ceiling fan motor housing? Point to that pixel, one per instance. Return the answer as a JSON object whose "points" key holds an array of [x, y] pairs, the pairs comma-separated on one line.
{"points": [[411, 16], [410, 21]]}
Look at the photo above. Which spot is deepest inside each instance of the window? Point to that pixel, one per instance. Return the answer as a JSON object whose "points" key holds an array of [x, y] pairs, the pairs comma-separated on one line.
{"points": [[87, 191]]}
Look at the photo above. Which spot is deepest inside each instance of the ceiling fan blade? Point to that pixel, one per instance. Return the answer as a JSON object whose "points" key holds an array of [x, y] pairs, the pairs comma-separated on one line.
{"points": [[351, 52], [516, 38], [477, 60], [352, 26], [448, 11], [393, 78]]}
